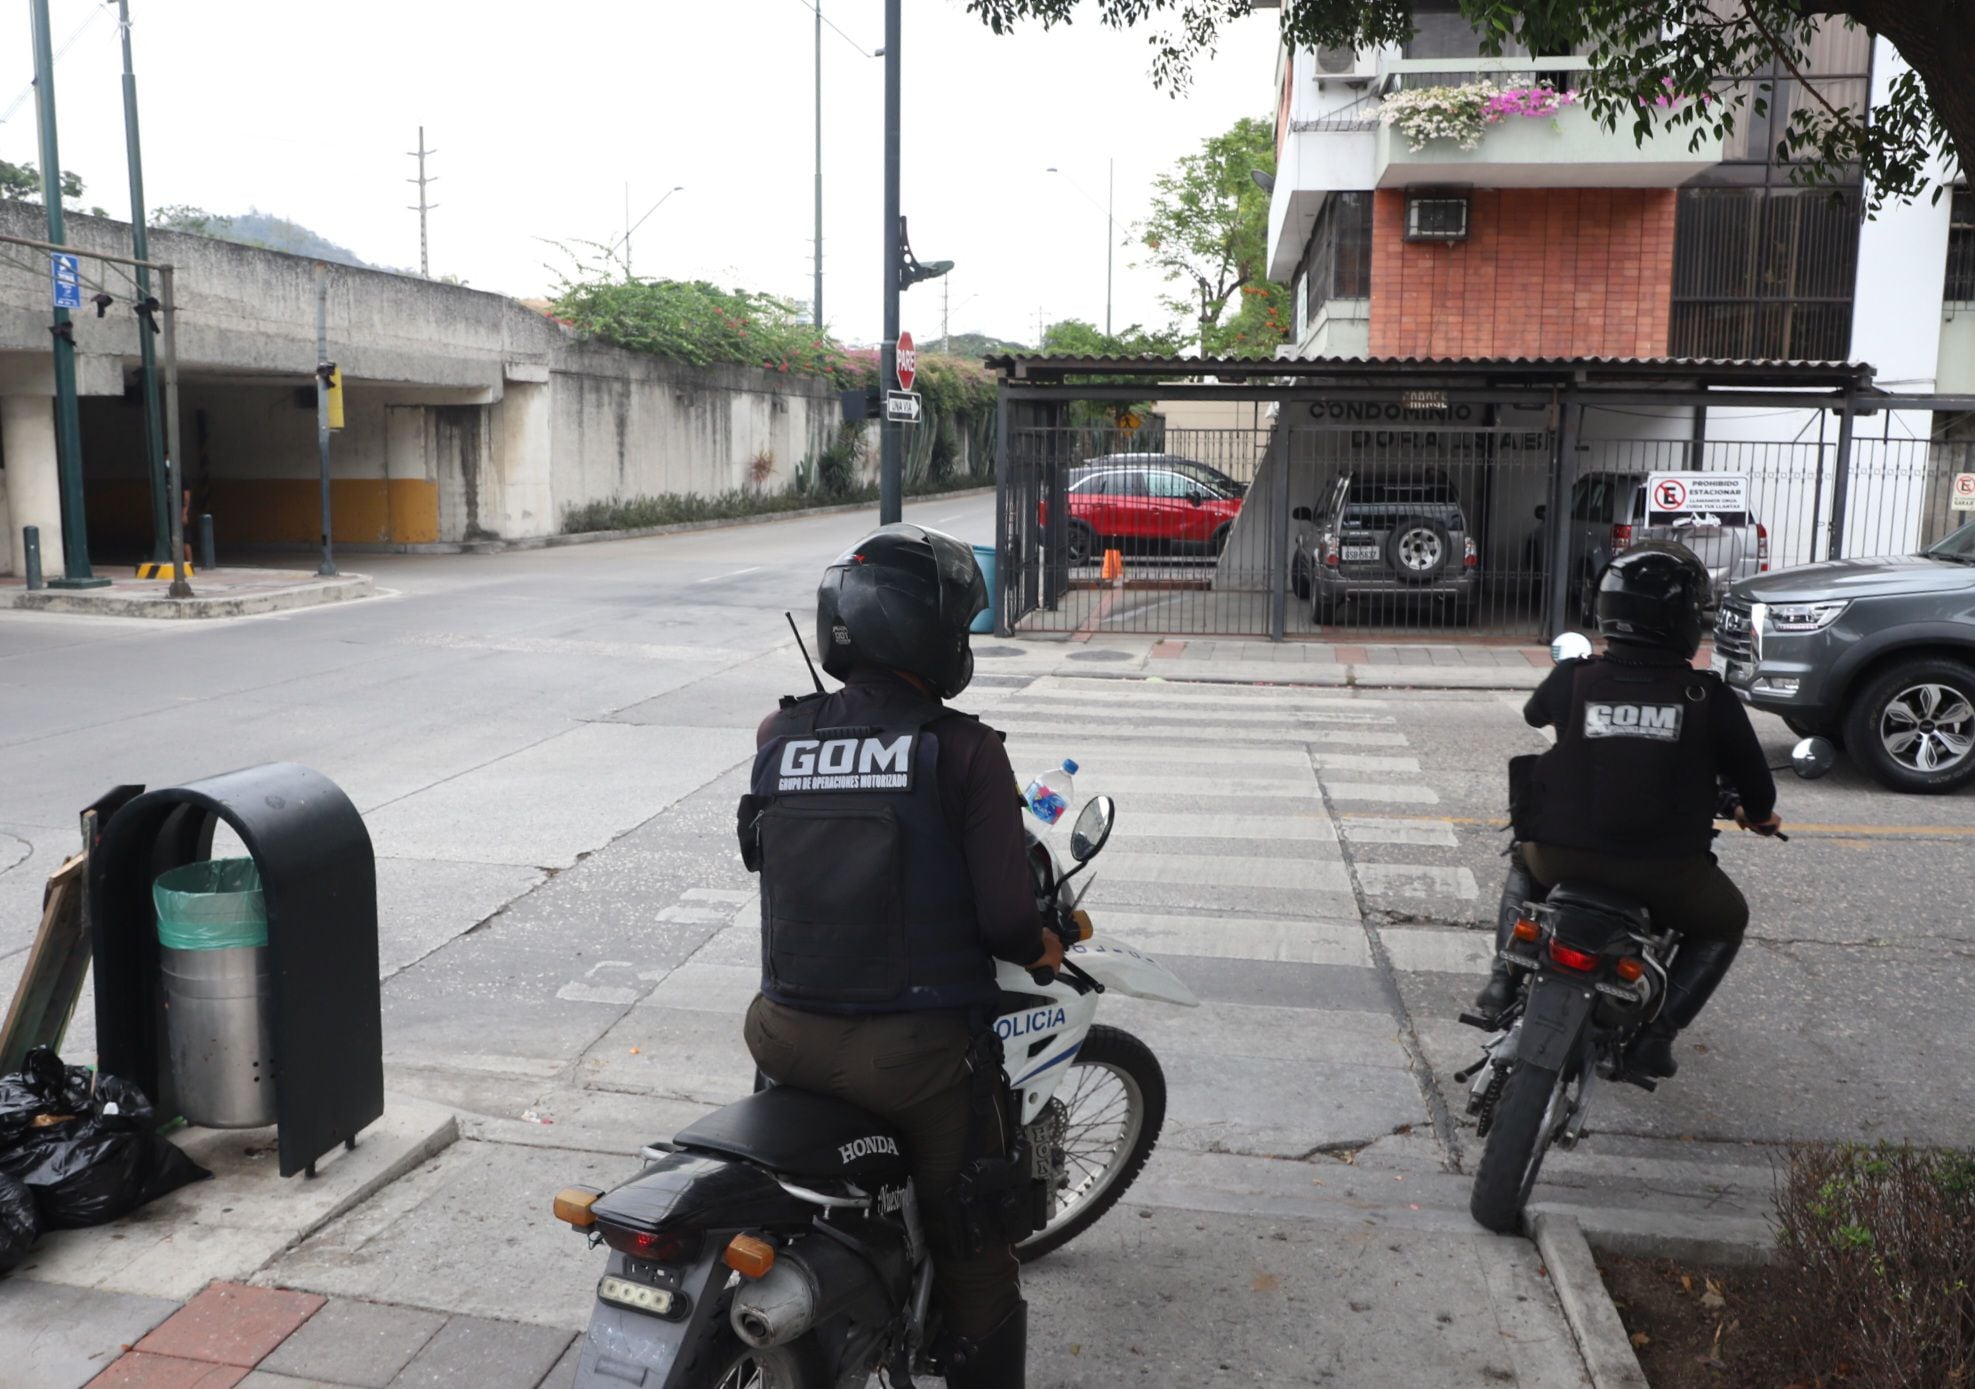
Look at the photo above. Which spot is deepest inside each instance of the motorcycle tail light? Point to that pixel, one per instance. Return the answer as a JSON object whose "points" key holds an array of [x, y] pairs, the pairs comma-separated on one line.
{"points": [[1527, 930], [573, 1206], [1583, 961], [1629, 970], [661, 1247]]}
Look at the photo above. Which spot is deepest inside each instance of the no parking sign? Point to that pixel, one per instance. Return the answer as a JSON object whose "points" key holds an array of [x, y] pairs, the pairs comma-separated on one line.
{"points": [[1964, 492], [1723, 498]]}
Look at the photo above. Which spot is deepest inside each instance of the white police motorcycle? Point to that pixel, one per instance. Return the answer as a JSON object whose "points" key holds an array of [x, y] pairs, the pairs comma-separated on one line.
{"points": [[778, 1242]]}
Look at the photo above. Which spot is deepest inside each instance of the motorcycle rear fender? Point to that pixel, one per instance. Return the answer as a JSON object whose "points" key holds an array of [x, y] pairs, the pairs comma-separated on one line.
{"points": [[1131, 972], [1553, 1020], [702, 1192], [625, 1347]]}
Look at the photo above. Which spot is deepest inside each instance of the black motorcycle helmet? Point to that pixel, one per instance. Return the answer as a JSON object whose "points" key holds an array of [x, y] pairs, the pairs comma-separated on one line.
{"points": [[902, 598], [1652, 595]]}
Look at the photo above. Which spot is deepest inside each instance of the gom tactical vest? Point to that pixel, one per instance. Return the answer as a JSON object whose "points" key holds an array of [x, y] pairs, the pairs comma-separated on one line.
{"points": [[866, 902], [1633, 769]]}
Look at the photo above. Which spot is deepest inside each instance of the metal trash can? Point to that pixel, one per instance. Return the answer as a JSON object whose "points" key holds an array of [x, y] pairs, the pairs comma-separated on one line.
{"points": [[984, 555], [219, 1019]]}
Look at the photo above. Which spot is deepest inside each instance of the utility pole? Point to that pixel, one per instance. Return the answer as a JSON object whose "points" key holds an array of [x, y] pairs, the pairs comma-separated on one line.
{"points": [[68, 425], [327, 569], [424, 257], [627, 229], [891, 479], [161, 512], [817, 310]]}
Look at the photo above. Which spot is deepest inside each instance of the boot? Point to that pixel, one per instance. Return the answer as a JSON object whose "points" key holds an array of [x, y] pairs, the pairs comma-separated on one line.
{"points": [[1697, 972], [998, 1360], [1504, 978]]}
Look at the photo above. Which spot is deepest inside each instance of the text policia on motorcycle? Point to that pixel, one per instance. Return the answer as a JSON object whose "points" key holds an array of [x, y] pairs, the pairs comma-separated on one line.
{"points": [[1616, 923], [867, 1208]]}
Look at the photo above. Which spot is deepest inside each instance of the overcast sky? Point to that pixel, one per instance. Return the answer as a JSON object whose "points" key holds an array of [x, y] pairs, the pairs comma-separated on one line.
{"points": [[541, 113]]}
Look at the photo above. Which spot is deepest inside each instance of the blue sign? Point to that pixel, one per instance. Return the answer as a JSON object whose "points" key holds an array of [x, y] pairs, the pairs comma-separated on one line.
{"points": [[68, 280]]}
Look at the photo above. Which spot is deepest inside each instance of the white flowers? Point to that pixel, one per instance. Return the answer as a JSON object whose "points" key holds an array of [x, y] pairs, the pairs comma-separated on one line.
{"points": [[1463, 114]]}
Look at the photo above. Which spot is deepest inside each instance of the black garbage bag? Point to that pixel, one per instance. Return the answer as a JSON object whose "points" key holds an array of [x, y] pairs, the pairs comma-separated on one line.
{"points": [[102, 1163], [20, 1222], [42, 1088]]}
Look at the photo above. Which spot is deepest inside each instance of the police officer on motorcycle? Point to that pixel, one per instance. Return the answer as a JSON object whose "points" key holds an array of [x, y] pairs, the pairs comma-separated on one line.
{"points": [[893, 873], [1626, 798]]}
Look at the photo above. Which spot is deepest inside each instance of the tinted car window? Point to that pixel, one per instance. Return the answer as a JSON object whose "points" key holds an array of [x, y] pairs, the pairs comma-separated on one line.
{"points": [[1094, 485], [1171, 485]]}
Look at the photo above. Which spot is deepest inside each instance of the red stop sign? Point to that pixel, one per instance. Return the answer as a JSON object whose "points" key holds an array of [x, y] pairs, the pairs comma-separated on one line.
{"points": [[908, 362]]}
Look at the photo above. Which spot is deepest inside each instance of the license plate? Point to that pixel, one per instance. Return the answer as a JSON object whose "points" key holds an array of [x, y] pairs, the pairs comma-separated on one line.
{"points": [[1358, 553]]}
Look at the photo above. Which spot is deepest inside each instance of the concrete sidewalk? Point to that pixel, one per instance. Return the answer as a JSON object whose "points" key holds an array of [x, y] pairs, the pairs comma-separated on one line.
{"points": [[1257, 661], [225, 592]]}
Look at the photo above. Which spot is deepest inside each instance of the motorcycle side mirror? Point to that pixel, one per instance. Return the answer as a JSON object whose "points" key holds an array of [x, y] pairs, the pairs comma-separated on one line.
{"points": [[1813, 757], [1092, 829], [1571, 646]]}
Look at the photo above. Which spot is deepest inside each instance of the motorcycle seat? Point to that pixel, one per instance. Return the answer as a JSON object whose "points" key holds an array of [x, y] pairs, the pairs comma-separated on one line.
{"points": [[1604, 901], [800, 1133]]}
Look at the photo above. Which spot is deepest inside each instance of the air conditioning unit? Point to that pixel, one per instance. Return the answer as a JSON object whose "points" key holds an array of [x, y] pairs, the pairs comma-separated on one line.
{"points": [[1345, 66]]}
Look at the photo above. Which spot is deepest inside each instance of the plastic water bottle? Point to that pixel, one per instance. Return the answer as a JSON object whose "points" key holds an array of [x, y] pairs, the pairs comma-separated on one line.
{"points": [[1049, 794]]}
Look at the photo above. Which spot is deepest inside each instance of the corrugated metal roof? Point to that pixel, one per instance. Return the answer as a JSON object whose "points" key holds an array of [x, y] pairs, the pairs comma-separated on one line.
{"points": [[1739, 370]]}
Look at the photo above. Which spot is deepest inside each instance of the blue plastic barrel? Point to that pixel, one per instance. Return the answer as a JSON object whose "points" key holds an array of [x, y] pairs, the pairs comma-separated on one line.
{"points": [[984, 621]]}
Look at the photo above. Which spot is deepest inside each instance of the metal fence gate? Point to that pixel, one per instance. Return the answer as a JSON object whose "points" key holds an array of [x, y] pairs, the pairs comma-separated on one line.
{"points": [[1389, 518]]}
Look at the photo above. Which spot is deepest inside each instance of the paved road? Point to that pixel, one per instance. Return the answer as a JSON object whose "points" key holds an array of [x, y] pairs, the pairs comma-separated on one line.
{"points": [[547, 747]]}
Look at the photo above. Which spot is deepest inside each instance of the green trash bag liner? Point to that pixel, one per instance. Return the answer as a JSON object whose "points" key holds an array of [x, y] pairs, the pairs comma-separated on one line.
{"points": [[214, 905]]}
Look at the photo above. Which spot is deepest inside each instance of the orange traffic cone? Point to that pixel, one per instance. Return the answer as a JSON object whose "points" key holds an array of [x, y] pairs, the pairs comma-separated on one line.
{"points": [[1114, 567]]}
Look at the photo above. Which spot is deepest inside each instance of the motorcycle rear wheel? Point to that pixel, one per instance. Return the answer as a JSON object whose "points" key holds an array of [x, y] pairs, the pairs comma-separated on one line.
{"points": [[721, 1360], [1116, 1095], [1526, 1121]]}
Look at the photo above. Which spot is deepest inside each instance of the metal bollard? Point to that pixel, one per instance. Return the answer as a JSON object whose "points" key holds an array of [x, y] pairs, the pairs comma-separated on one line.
{"points": [[31, 543], [206, 542]]}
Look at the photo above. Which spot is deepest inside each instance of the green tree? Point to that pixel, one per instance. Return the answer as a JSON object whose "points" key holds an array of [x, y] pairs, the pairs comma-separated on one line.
{"points": [[1209, 230], [1697, 63], [1072, 337], [21, 183]]}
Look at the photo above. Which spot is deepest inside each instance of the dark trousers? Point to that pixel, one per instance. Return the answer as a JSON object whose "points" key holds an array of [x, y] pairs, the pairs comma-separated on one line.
{"points": [[910, 1069], [1688, 891]]}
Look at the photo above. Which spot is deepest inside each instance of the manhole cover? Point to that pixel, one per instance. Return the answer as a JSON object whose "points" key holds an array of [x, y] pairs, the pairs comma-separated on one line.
{"points": [[1100, 655]]}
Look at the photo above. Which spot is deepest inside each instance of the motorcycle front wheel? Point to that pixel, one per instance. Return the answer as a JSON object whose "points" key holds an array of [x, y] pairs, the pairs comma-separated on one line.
{"points": [[1114, 1102], [1527, 1118]]}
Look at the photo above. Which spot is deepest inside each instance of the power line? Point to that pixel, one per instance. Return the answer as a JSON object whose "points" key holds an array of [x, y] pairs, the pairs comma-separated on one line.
{"points": [[811, 6], [95, 14]]}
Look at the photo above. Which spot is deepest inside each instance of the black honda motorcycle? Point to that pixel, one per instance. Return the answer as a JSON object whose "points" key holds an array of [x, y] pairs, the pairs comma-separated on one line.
{"points": [[1594, 972]]}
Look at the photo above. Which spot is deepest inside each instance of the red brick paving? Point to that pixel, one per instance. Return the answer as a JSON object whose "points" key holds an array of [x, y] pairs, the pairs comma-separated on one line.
{"points": [[228, 1324], [138, 1370], [1168, 648], [1351, 655]]}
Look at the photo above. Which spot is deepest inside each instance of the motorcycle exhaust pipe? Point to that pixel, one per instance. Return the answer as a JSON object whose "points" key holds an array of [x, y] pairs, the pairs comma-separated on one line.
{"points": [[810, 1284]]}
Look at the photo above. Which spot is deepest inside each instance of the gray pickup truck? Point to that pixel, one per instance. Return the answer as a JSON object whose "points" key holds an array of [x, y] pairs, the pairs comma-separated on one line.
{"points": [[1608, 513], [1876, 653]]}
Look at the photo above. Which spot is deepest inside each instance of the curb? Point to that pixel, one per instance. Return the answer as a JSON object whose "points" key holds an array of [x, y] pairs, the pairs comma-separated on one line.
{"points": [[554, 542], [1587, 1307], [437, 1141], [347, 589]]}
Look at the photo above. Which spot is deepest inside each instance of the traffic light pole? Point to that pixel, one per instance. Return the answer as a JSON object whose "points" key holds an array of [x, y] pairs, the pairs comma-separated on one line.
{"points": [[163, 509], [891, 480], [327, 569], [68, 424]]}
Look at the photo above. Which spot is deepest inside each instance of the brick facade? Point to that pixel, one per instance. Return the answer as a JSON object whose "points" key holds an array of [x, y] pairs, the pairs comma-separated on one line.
{"points": [[1545, 272]]}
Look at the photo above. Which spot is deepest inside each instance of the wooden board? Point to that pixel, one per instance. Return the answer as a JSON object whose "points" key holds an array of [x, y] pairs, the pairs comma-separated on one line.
{"points": [[51, 984]]}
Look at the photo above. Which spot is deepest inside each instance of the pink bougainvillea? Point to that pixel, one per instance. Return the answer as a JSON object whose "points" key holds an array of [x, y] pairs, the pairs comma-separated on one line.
{"points": [[1526, 101]]}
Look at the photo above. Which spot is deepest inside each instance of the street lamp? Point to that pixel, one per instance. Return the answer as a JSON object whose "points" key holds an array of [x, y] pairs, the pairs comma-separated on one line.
{"points": [[1110, 227], [629, 226]]}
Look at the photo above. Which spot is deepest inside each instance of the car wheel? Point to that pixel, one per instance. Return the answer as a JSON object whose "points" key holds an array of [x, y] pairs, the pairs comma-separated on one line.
{"points": [[1418, 549], [1082, 544], [1913, 726], [1299, 581]]}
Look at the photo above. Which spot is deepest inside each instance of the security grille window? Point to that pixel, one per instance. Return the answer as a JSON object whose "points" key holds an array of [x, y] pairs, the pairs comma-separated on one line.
{"points": [[1338, 261], [1960, 286], [1762, 267], [1436, 217]]}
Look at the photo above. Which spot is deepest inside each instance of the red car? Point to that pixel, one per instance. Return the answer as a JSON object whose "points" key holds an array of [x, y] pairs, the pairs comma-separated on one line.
{"points": [[1147, 508]]}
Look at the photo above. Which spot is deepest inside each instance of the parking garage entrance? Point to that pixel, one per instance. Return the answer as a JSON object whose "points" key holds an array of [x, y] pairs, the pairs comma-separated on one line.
{"points": [[1429, 498]]}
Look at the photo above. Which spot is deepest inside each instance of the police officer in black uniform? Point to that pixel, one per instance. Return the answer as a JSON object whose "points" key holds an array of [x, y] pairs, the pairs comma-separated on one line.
{"points": [[1626, 798], [887, 831]]}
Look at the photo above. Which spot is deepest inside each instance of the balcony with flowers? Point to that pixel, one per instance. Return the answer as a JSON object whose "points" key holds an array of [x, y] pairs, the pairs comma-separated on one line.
{"points": [[1517, 123]]}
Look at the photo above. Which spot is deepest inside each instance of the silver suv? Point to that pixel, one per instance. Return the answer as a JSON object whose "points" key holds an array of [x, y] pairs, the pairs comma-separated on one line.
{"points": [[1608, 513], [1390, 538], [1877, 653]]}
